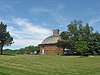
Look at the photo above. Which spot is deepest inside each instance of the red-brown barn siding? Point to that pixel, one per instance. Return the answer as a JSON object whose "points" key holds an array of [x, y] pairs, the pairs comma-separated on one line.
{"points": [[51, 49]]}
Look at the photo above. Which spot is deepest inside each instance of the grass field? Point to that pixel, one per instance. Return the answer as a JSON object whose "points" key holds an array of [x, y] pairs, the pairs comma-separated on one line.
{"points": [[49, 65]]}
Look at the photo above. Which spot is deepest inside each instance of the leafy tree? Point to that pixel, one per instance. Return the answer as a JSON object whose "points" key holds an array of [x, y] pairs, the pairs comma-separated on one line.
{"points": [[64, 39], [94, 43], [80, 37], [9, 51], [69, 37], [28, 50], [65, 42], [81, 47], [5, 37]]}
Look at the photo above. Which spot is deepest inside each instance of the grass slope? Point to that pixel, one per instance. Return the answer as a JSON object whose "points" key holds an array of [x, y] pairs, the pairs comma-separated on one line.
{"points": [[49, 65]]}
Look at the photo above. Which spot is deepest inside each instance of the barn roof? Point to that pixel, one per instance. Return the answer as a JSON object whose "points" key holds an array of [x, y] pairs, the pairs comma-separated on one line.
{"points": [[53, 38]]}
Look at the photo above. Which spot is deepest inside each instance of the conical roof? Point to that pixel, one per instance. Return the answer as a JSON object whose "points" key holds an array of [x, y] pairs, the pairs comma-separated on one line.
{"points": [[53, 38]]}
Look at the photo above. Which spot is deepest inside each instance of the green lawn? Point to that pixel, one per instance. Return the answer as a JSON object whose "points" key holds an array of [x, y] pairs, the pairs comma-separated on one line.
{"points": [[49, 65]]}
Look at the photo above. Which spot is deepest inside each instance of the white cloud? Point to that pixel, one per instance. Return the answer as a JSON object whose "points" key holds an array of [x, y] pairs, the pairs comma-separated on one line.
{"points": [[4, 7], [94, 21], [95, 24], [30, 27], [27, 33], [4, 20], [21, 43], [39, 10], [60, 20], [26, 42]]}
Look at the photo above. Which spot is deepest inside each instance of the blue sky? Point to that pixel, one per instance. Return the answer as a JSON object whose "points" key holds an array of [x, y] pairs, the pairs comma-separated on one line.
{"points": [[30, 21]]}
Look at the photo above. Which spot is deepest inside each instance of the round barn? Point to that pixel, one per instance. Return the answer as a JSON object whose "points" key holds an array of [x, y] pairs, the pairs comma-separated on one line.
{"points": [[49, 46]]}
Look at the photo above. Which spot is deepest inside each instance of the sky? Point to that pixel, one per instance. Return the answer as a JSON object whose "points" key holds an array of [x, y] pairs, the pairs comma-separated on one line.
{"points": [[31, 21]]}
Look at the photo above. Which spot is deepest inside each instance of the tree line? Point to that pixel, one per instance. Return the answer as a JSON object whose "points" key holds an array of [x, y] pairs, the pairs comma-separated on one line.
{"points": [[27, 50]]}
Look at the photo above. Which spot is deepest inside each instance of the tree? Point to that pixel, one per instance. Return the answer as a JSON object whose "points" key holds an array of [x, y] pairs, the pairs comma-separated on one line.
{"points": [[5, 37], [81, 47], [94, 43], [81, 38], [28, 50], [65, 42]]}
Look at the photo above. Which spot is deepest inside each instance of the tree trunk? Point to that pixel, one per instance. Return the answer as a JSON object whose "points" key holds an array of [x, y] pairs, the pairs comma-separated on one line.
{"points": [[1, 50], [81, 55], [63, 50]]}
